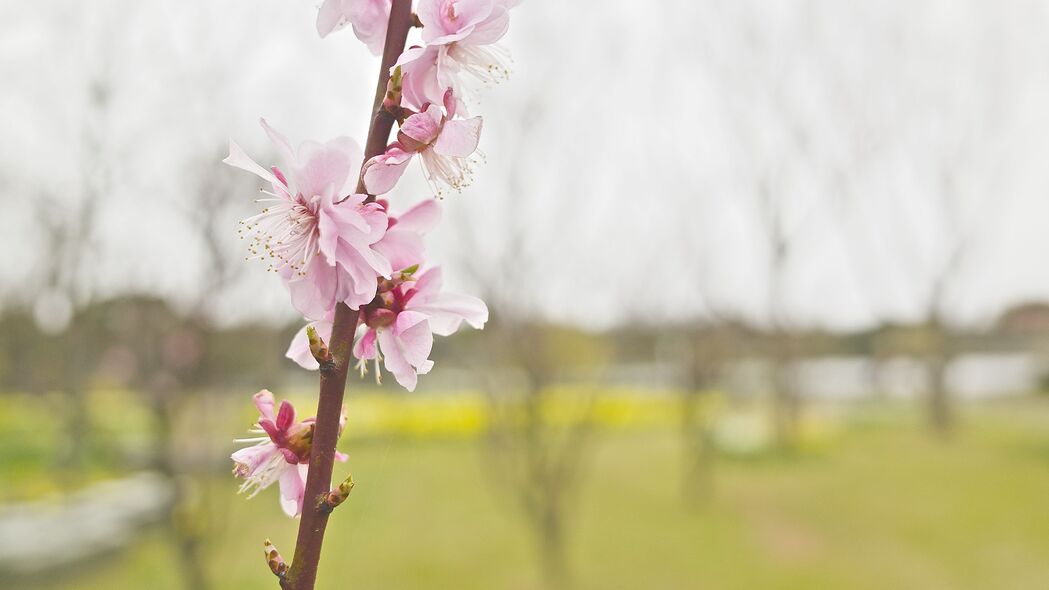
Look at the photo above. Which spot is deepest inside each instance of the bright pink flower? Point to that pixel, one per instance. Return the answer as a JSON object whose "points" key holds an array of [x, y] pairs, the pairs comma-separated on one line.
{"points": [[282, 455], [316, 214], [369, 19], [402, 246], [444, 143], [399, 328], [460, 38]]}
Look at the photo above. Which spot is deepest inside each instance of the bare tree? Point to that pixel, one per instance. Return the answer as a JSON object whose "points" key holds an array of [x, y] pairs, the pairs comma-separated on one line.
{"points": [[961, 178], [172, 357], [537, 464], [69, 230], [760, 102]]}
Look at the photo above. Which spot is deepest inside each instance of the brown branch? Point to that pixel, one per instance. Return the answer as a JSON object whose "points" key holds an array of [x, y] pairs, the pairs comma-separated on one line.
{"points": [[303, 572]]}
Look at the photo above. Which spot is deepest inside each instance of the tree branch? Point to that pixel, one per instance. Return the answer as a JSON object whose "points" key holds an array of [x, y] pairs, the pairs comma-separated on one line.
{"points": [[303, 572]]}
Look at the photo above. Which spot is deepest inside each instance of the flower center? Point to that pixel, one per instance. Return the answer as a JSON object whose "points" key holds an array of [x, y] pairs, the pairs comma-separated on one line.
{"points": [[284, 233]]}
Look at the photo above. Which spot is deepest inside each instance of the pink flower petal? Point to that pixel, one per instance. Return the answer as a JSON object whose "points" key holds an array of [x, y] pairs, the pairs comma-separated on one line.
{"points": [[442, 20], [395, 363], [315, 294], [238, 158], [271, 429], [293, 488], [402, 248], [362, 266], [321, 165], [447, 311], [265, 403], [491, 30], [382, 172], [421, 218], [419, 82], [331, 17], [251, 458], [423, 127], [459, 137], [279, 141], [328, 234], [370, 23], [351, 216], [414, 337], [369, 19], [285, 416], [427, 285], [364, 348]]}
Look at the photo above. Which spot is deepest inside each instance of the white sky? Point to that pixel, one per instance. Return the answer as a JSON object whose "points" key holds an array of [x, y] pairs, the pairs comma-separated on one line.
{"points": [[626, 156]]}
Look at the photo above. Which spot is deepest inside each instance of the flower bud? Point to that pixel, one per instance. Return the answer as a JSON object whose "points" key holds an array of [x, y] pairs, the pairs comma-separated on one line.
{"points": [[392, 101], [273, 558], [332, 499], [317, 347]]}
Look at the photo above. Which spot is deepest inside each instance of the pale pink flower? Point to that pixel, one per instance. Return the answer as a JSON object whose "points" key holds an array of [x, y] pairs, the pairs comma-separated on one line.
{"points": [[402, 246], [369, 19], [399, 329], [282, 455], [444, 143], [314, 232], [460, 37]]}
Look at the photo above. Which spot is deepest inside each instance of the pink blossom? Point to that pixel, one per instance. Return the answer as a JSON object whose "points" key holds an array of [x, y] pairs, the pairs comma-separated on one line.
{"points": [[399, 327], [369, 19], [313, 215], [402, 245], [460, 37], [282, 455], [444, 143]]}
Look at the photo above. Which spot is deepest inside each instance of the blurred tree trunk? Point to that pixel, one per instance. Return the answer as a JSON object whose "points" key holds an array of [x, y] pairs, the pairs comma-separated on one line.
{"points": [[700, 452], [539, 464], [154, 339], [179, 524], [941, 416], [77, 417], [703, 361], [552, 546], [783, 411], [786, 401]]}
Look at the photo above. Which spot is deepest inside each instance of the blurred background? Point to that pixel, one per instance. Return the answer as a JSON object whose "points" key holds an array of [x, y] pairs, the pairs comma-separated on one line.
{"points": [[770, 306]]}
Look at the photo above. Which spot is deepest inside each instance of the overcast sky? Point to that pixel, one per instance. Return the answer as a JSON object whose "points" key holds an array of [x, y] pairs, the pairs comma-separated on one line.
{"points": [[638, 158]]}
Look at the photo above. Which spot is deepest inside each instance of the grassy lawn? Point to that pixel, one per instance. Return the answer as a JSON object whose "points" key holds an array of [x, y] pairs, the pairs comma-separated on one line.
{"points": [[883, 505]]}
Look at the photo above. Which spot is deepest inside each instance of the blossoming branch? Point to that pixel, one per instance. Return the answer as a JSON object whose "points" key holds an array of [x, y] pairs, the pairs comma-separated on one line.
{"points": [[356, 271]]}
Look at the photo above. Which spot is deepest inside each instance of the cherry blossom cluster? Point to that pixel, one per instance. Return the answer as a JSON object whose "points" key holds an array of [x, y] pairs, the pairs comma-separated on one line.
{"points": [[333, 244]]}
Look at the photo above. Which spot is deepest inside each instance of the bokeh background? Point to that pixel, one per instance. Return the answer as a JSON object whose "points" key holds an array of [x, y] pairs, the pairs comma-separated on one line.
{"points": [[770, 306]]}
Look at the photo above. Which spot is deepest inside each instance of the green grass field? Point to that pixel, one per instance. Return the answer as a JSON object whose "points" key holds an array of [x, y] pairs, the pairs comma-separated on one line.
{"points": [[880, 505]]}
